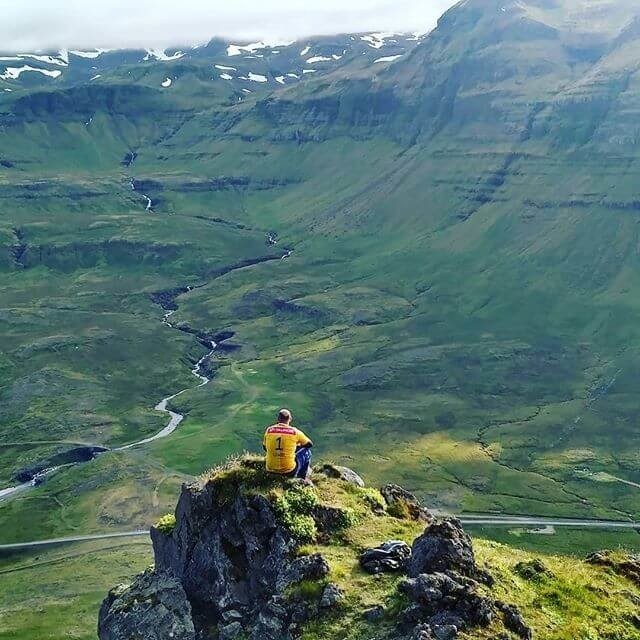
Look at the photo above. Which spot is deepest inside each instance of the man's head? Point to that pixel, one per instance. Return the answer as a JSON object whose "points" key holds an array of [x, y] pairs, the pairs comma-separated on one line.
{"points": [[284, 416]]}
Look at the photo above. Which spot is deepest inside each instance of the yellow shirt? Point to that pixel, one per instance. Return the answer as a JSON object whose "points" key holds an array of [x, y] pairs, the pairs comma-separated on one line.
{"points": [[281, 441]]}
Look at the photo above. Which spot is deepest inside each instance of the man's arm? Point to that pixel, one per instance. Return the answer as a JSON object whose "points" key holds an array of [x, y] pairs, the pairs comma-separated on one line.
{"points": [[304, 442]]}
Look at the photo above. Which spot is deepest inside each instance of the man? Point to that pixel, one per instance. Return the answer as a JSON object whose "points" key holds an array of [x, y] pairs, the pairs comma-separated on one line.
{"points": [[288, 449]]}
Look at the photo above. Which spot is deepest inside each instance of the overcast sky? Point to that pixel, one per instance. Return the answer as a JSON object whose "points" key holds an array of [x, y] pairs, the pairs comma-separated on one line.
{"points": [[42, 24]]}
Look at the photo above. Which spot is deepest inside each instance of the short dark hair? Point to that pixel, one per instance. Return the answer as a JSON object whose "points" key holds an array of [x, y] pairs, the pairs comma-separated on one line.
{"points": [[284, 415]]}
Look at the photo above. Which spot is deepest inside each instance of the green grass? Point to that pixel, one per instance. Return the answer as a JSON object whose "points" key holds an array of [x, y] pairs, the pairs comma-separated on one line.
{"points": [[55, 593]]}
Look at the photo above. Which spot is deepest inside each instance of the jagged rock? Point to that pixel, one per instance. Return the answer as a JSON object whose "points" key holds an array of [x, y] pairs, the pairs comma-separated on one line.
{"points": [[389, 556], [312, 567], [627, 566], [273, 622], [216, 541], [230, 631], [440, 599], [421, 632], [331, 596], [445, 546], [231, 616], [153, 607], [403, 504], [342, 473], [445, 632], [374, 614], [514, 621]]}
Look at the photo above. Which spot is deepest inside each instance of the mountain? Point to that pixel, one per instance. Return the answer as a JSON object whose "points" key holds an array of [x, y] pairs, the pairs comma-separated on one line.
{"points": [[432, 259]]}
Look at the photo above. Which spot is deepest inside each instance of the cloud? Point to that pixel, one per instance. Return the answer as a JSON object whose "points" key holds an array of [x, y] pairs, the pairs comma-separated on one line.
{"points": [[42, 24]]}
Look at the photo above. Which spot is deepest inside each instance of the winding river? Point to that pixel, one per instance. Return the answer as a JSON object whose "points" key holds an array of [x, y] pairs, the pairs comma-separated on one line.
{"points": [[174, 421]]}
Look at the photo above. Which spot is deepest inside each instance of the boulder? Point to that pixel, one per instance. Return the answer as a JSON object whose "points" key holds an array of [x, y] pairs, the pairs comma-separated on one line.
{"points": [[445, 631], [442, 600], [389, 556], [312, 567], [444, 546], [403, 504], [216, 540], [153, 607], [342, 473], [374, 614], [514, 621], [230, 631], [421, 632], [331, 596], [273, 622]]}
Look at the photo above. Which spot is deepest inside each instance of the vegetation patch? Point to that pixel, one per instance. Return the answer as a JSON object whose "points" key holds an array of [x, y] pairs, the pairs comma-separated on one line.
{"points": [[166, 524], [294, 509]]}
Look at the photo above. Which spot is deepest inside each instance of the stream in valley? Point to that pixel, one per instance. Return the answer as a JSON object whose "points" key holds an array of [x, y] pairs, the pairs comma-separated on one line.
{"points": [[40, 475]]}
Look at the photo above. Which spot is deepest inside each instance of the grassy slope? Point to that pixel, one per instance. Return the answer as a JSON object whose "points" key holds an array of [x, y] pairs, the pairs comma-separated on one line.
{"points": [[72, 581]]}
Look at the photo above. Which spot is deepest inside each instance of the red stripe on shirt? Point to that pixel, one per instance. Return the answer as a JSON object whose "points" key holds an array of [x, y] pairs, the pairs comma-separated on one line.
{"points": [[282, 430]]}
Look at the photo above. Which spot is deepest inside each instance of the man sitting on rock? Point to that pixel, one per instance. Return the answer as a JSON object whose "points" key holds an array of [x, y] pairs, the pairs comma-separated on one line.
{"points": [[288, 449]]}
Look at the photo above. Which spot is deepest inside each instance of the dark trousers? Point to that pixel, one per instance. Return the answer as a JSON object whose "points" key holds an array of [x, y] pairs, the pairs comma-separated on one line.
{"points": [[303, 462]]}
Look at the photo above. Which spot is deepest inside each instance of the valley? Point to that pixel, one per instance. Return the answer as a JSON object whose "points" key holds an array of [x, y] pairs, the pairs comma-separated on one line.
{"points": [[426, 246]]}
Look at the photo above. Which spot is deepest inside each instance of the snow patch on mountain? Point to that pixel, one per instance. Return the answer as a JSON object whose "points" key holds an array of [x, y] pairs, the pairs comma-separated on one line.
{"points": [[222, 67], [387, 59], [280, 79], [167, 83], [161, 55], [91, 55], [239, 49], [316, 59], [378, 40], [13, 73], [305, 51], [59, 61], [226, 76]]}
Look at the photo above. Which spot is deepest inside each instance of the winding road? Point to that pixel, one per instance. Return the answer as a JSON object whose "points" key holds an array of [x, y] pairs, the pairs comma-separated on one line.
{"points": [[468, 520]]}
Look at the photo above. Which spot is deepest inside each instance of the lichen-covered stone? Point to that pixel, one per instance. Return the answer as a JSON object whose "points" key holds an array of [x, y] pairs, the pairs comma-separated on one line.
{"points": [[153, 607], [403, 504], [342, 473]]}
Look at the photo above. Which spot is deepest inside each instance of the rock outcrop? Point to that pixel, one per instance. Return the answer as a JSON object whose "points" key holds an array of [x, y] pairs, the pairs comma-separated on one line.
{"points": [[232, 558], [154, 607], [342, 473], [237, 561], [623, 564], [402, 504], [443, 588]]}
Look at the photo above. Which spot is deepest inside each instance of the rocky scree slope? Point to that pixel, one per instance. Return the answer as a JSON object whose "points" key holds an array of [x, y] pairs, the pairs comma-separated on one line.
{"points": [[251, 556]]}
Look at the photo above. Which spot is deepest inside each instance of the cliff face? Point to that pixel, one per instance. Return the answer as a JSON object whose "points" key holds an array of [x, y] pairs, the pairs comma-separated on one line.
{"points": [[252, 556]]}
